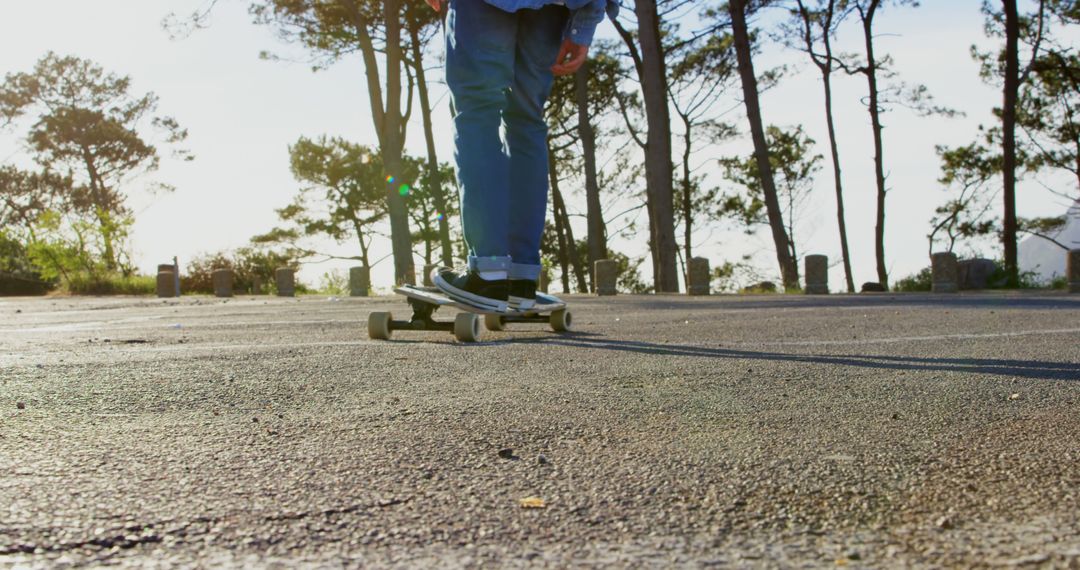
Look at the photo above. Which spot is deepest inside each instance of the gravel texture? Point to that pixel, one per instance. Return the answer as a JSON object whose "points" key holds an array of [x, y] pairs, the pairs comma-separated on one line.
{"points": [[759, 431]]}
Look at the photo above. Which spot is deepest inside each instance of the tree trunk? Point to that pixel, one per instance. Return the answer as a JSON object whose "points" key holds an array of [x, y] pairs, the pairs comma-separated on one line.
{"points": [[688, 195], [434, 179], [685, 271], [658, 167], [1076, 172], [560, 233], [788, 269], [793, 250], [105, 225], [826, 68], [97, 192], [597, 237], [834, 148], [423, 225], [363, 245], [568, 244], [879, 158], [394, 137], [1008, 125], [388, 121], [635, 55], [580, 275]]}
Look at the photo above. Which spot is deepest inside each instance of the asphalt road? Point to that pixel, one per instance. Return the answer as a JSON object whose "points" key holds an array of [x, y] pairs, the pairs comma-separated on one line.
{"points": [[762, 431]]}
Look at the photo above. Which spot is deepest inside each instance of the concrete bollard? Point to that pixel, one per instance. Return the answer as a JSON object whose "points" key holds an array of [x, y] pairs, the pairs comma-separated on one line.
{"points": [[699, 277], [1072, 269], [175, 270], [607, 275], [816, 270], [545, 280], [359, 281], [427, 275], [945, 272], [974, 274], [285, 277], [872, 287], [223, 282], [166, 283]]}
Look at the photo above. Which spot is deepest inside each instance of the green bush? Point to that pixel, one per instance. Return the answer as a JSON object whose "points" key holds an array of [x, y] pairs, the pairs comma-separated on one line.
{"points": [[1030, 280], [248, 265], [334, 283], [921, 281], [197, 276], [999, 279], [23, 285], [87, 284], [18, 274], [729, 276], [71, 251], [762, 288], [629, 279]]}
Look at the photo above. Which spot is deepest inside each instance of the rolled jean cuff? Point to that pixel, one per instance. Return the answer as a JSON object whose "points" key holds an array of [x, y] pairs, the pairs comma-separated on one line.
{"points": [[489, 263], [522, 272]]}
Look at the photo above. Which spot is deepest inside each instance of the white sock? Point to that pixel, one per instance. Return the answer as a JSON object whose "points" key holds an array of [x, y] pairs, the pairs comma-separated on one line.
{"points": [[493, 275]]}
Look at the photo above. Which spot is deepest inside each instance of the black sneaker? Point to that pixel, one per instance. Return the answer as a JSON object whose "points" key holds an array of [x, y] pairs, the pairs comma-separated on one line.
{"points": [[469, 288], [522, 294]]}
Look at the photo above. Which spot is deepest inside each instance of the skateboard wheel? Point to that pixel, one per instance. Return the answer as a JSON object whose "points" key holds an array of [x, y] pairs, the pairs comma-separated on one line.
{"points": [[378, 326], [494, 323], [561, 320], [467, 327]]}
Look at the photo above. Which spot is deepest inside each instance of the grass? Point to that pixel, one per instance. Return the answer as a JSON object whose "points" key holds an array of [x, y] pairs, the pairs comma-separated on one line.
{"points": [[84, 284]]}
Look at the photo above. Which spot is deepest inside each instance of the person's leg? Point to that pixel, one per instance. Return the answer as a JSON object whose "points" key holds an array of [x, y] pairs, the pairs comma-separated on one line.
{"points": [[480, 41], [539, 37]]}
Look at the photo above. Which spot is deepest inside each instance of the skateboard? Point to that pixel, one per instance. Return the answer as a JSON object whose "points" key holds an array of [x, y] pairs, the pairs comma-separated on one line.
{"points": [[425, 301]]}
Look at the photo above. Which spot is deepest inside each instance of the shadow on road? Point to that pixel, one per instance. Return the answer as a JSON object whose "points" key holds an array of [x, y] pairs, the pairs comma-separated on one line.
{"points": [[1034, 369]]}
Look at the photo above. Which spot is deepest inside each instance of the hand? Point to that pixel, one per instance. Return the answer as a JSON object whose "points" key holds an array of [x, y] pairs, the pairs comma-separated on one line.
{"points": [[435, 4], [571, 57]]}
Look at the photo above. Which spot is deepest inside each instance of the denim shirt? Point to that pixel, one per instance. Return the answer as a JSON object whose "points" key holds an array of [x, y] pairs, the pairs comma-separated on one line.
{"points": [[585, 15]]}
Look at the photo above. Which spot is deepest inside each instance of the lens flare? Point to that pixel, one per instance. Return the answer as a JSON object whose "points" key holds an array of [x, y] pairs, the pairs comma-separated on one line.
{"points": [[390, 179], [404, 190]]}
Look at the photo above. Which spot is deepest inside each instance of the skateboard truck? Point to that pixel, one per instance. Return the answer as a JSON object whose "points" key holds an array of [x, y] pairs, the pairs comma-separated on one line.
{"points": [[560, 320]]}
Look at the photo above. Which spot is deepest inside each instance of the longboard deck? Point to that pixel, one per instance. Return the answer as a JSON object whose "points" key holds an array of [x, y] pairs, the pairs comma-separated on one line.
{"points": [[544, 303]]}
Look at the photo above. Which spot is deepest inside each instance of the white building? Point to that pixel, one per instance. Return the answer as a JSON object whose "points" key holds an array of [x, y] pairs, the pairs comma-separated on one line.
{"points": [[1046, 259]]}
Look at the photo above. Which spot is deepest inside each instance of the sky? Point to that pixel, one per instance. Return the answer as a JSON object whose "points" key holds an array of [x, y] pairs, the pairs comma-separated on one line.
{"points": [[243, 112]]}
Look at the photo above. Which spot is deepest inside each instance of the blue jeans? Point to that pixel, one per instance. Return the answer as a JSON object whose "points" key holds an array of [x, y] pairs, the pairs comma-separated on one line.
{"points": [[498, 71]]}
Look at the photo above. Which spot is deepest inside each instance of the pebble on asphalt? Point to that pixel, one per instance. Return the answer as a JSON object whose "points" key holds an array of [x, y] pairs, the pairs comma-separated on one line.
{"points": [[532, 503], [508, 454], [20, 405]]}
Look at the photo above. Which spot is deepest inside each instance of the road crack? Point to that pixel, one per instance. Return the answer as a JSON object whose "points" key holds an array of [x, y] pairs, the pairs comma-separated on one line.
{"points": [[340, 511], [124, 537]]}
